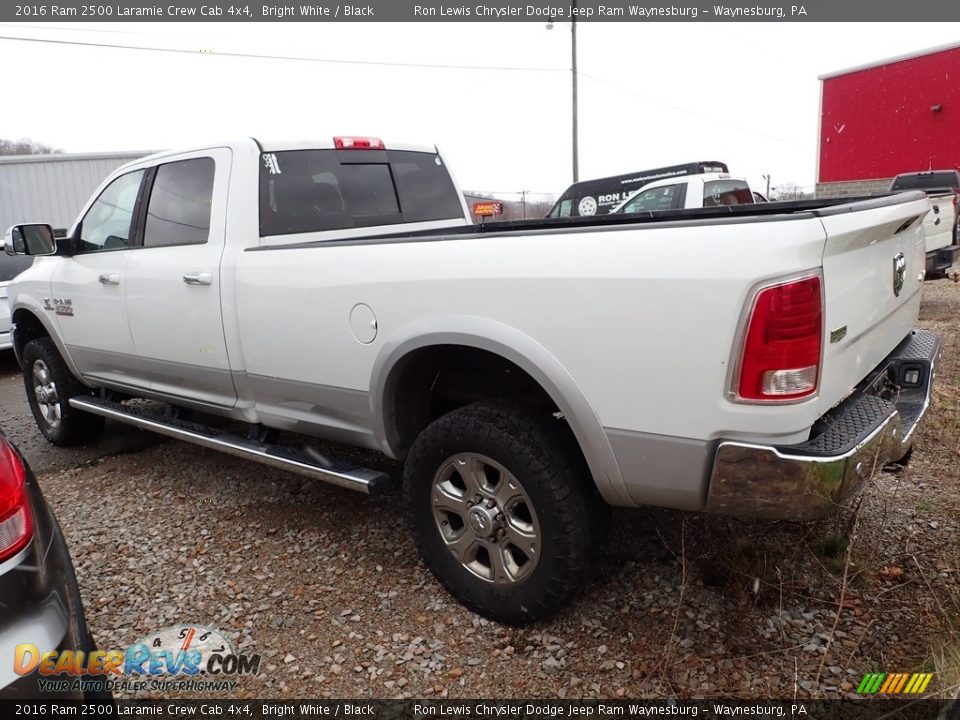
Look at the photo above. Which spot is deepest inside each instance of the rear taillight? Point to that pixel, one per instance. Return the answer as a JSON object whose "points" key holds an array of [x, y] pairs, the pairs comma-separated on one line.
{"points": [[780, 359], [16, 523], [358, 143]]}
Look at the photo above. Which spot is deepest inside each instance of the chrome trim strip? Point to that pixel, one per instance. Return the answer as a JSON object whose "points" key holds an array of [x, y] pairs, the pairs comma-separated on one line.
{"points": [[11, 563], [333, 477]]}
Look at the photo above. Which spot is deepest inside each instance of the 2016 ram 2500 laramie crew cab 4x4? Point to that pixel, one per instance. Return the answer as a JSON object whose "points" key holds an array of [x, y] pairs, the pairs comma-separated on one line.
{"points": [[529, 374]]}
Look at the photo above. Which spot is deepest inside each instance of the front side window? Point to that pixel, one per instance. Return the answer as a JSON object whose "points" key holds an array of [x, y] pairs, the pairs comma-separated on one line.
{"points": [[660, 198], [109, 221], [179, 209]]}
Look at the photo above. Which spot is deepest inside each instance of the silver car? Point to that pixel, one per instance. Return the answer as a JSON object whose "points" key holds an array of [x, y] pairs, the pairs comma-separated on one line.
{"points": [[10, 267]]}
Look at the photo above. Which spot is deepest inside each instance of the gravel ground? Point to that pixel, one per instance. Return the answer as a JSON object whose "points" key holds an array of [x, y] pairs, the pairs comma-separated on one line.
{"points": [[326, 584]]}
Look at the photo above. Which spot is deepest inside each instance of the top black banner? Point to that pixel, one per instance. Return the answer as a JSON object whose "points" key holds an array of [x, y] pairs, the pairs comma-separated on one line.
{"points": [[501, 11]]}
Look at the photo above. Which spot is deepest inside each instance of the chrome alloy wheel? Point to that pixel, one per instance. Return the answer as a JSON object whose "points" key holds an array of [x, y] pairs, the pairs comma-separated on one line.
{"points": [[48, 400], [486, 518]]}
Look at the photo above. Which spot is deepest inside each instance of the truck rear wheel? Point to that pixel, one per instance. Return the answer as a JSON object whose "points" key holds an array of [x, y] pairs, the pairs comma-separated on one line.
{"points": [[503, 510], [50, 385]]}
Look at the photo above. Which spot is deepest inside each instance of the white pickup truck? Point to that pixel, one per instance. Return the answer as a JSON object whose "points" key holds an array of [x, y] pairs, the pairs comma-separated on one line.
{"points": [[529, 374], [687, 192], [942, 224]]}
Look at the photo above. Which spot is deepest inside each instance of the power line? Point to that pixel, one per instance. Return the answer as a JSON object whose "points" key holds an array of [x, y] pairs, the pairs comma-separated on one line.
{"points": [[375, 63], [265, 56]]}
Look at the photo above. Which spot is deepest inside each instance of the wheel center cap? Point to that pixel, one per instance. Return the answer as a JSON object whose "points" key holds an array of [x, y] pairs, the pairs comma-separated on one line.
{"points": [[482, 521]]}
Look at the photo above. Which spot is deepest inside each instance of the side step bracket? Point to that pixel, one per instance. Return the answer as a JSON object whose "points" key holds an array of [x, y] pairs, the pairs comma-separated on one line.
{"points": [[305, 462]]}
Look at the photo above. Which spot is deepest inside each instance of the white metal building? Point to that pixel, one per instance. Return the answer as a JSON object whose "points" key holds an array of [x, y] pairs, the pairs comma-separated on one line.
{"points": [[52, 188]]}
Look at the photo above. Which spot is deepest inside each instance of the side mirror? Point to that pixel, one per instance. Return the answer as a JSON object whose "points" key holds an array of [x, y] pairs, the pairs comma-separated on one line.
{"points": [[33, 239]]}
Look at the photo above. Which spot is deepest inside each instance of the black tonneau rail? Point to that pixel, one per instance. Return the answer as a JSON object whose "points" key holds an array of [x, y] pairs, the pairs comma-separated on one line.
{"points": [[817, 208], [794, 209]]}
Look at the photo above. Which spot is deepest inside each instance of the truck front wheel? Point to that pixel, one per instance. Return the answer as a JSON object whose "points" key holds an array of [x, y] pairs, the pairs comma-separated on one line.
{"points": [[503, 510], [50, 385]]}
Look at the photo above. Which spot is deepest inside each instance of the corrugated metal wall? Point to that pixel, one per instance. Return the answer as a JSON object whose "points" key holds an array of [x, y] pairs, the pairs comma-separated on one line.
{"points": [[900, 117], [52, 188]]}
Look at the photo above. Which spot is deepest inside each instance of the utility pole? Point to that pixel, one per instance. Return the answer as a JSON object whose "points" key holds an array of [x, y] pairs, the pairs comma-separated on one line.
{"points": [[767, 178], [573, 87], [573, 68]]}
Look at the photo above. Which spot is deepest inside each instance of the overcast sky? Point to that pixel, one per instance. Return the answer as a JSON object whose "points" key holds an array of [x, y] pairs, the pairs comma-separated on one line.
{"points": [[650, 94]]}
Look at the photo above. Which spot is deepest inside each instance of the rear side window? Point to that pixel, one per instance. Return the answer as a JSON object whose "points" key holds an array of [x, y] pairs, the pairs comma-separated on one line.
{"points": [[13, 265], [312, 190], [726, 192], [180, 200]]}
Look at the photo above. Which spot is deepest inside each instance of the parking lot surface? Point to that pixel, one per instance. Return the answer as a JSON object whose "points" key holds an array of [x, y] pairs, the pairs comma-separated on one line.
{"points": [[327, 587]]}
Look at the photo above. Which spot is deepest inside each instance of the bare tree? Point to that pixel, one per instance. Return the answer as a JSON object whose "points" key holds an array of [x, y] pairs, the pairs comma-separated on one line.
{"points": [[26, 146]]}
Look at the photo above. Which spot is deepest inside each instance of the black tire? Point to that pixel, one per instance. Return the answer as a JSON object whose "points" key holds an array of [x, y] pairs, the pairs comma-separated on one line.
{"points": [[568, 514], [73, 427]]}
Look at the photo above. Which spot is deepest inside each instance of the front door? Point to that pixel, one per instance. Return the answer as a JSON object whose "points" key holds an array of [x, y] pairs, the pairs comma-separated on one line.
{"points": [[173, 280], [87, 291]]}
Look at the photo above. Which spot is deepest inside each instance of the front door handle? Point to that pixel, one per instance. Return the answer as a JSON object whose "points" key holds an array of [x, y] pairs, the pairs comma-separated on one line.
{"points": [[109, 279], [198, 278]]}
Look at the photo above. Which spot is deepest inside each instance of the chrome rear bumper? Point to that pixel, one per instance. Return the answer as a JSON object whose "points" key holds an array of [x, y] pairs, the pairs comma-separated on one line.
{"points": [[874, 427]]}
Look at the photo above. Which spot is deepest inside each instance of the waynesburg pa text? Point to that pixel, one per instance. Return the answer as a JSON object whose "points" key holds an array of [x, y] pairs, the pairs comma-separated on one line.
{"points": [[606, 11]]}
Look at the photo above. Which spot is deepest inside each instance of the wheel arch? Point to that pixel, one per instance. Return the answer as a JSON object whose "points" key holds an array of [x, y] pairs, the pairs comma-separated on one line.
{"points": [[513, 346], [30, 323]]}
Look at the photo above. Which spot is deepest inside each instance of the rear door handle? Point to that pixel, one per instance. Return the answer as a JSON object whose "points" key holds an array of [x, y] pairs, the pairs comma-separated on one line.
{"points": [[198, 278], [109, 279]]}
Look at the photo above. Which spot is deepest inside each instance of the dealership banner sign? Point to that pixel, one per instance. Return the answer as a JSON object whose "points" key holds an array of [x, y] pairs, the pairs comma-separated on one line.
{"points": [[467, 11]]}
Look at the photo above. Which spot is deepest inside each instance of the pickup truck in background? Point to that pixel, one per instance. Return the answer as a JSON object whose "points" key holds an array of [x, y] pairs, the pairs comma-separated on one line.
{"points": [[692, 191], [528, 374], [942, 223], [601, 195]]}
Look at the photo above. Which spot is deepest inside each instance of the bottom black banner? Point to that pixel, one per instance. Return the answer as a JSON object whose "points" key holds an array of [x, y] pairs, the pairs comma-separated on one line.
{"points": [[487, 709]]}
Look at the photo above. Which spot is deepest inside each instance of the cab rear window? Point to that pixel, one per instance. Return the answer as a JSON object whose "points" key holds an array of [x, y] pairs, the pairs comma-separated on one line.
{"points": [[305, 191], [926, 181]]}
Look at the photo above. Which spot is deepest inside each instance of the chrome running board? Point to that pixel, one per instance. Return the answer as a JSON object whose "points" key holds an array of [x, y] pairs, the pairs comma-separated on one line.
{"points": [[303, 462]]}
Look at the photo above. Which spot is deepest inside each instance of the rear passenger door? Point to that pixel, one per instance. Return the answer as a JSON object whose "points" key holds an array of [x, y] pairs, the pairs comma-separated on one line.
{"points": [[173, 280]]}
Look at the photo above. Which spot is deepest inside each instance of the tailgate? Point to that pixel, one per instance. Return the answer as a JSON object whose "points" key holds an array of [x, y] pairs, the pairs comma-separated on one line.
{"points": [[873, 264], [938, 223]]}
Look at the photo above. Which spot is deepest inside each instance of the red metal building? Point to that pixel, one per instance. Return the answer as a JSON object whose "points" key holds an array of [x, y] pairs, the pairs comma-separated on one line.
{"points": [[892, 116]]}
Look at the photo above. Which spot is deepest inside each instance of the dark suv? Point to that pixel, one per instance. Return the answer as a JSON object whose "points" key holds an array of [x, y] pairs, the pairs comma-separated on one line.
{"points": [[39, 597]]}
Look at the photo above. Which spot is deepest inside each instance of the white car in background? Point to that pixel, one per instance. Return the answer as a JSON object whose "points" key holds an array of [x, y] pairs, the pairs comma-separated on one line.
{"points": [[10, 267], [689, 191]]}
